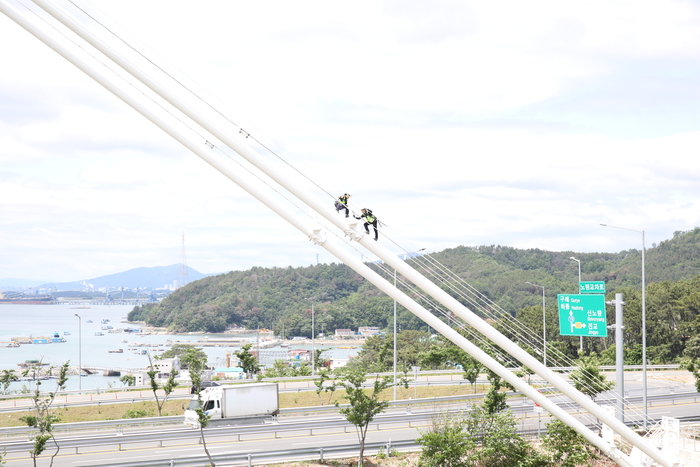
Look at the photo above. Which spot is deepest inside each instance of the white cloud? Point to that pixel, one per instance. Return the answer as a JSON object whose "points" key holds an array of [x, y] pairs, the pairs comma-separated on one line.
{"points": [[522, 124]]}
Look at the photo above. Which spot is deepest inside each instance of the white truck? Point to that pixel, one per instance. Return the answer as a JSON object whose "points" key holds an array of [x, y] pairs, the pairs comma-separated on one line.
{"points": [[239, 404]]}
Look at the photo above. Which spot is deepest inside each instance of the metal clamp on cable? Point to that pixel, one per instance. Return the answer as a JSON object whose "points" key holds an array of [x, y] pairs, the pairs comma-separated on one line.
{"points": [[352, 230], [318, 236]]}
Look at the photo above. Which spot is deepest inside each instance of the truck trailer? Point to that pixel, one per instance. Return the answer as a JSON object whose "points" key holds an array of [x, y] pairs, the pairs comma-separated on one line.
{"points": [[238, 404]]}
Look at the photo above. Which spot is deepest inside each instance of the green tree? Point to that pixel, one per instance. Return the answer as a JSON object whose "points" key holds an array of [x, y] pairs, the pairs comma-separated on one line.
{"points": [[319, 360], [177, 350], [495, 399], [6, 378], [588, 378], [128, 380], [471, 368], [445, 443], [42, 417], [324, 375], [693, 366], [364, 405], [500, 444], [278, 369], [167, 388], [565, 447], [196, 364], [249, 362]]}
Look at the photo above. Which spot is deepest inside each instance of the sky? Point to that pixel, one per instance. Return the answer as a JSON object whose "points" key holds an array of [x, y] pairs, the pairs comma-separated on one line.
{"points": [[526, 124]]}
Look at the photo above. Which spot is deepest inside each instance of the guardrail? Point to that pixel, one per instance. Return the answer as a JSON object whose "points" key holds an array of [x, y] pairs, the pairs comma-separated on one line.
{"points": [[235, 432], [119, 425], [178, 419], [312, 378], [274, 456]]}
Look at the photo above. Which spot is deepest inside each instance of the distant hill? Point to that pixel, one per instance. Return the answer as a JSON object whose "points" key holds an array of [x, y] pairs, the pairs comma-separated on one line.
{"points": [[278, 297], [145, 278], [282, 298]]}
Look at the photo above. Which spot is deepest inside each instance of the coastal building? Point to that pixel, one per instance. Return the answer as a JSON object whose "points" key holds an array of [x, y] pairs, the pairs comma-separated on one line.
{"points": [[229, 373], [365, 331], [300, 354], [344, 333], [336, 363], [166, 366]]}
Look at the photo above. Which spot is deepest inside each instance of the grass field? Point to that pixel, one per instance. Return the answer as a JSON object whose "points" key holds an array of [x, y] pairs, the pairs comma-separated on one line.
{"points": [[176, 407]]}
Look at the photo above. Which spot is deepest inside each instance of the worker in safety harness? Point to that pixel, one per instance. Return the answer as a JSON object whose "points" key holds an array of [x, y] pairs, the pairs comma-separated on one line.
{"points": [[342, 204], [370, 219]]}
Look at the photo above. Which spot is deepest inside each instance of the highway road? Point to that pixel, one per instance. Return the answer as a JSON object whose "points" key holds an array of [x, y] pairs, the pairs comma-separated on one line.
{"points": [[667, 397], [297, 432]]}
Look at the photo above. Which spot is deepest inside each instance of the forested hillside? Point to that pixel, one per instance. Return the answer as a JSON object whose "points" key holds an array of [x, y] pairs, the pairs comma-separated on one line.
{"points": [[280, 298]]}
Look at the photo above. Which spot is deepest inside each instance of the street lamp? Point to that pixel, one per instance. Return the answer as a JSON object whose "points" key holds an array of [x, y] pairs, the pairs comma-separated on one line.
{"points": [[644, 322], [313, 332], [80, 352], [579, 270], [544, 325], [579, 291]]}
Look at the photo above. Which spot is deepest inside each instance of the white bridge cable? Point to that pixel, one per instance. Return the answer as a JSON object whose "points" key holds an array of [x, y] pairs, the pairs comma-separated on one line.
{"points": [[179, 78], [243, 132], [520, 331], [624, 431], [505, 358], [499, 354]]}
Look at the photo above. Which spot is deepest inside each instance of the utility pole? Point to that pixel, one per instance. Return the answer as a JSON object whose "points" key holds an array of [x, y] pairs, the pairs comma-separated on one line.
{"points": [[80, 352], [182, 271], [579, 291], [619, 355]]}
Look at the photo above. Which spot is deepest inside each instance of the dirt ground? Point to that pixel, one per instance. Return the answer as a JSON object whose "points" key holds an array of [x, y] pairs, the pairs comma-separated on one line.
{"points": [[401, 460]]}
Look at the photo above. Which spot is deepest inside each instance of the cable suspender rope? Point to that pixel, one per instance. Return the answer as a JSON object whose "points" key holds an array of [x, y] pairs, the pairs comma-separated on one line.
{"points": [[381, 252]]}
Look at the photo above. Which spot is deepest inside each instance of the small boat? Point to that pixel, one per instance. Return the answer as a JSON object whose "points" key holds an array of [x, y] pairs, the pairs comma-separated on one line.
{"points": [[98, 333], [89, 321], [56, 338], [116, 351]]}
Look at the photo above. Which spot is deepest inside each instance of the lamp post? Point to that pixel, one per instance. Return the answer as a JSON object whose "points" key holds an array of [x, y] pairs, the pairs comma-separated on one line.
{"points": [[80, 352], [644, 322], [313, 332], [544, 325], [579, 291], [394, 338]]}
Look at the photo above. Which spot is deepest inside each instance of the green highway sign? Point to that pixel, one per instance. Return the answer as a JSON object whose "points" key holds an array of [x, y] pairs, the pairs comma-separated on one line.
{"points": [[591, 287], [582, 315]]}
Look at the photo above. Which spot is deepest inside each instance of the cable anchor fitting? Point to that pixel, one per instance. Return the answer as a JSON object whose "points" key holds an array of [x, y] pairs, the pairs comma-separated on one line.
{"points": [[352, 230], [318, 236]]}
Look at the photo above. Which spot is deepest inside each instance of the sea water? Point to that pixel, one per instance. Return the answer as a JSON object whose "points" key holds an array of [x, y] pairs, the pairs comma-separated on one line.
{"points": [[92, 350], [86, 342]]}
